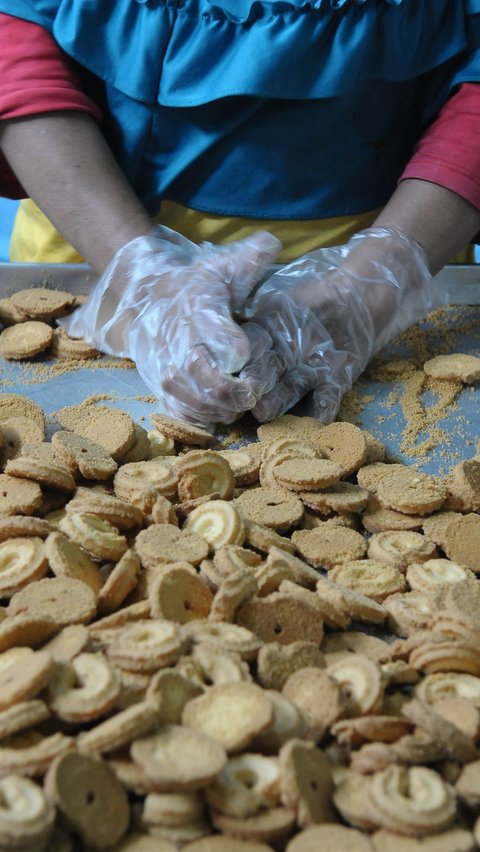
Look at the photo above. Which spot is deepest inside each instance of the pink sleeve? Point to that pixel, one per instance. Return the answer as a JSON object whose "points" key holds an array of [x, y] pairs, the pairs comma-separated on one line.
{"points": [[449, 152], [35, 77]]}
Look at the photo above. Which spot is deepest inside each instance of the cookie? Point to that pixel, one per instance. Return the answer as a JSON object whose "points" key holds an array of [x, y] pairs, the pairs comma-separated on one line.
{"points": [[178, 594], [271, 826], [276, 663], [121, 580], [201, 472], [181, 431], [455, 743], [179, 757], [413, 493], [146, 646], [373, 579], [112, 429], [67, 559], [40, 303], [22, 560], [376, 518], [434, 573], [307, 474], [27, 817], [246, 785], [306, 782], [18, 496], [244, 464], [62, 599], [90, 798], [84, 689], [23, 714], [341, 497], [227, 637], [271, 507], [462, 541], [162, 543], [18, 431], [70, 348], [282, 617], [16, 405], [55, 476], [218, 522], [83, 455], [117, 512], [97, 537], [119, 730], [411, 801], [330, 838], [327, 547], [233, 714], [23, 683], [263, 539], [456, 367], [25, 340], [400, 548], [345, 444], [361, 681], [318, 697]]}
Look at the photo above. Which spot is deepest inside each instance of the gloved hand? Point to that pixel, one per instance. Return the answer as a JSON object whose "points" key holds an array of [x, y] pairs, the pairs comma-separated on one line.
{"points": [[329, 311], [167, 304]]}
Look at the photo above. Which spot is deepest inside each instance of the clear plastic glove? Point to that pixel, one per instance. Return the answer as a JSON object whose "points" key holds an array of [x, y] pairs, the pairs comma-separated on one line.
{"points": [[168, 304], [329, 311]]}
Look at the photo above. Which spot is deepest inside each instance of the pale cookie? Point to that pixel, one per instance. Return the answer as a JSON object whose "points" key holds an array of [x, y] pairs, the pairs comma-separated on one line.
{"points": [[218, 522], [268, 467], [27, 817], [345, 444], [172, 809], [112, 429], [122, 580], [62, 599], [229, 637], [20, 632], [461, 713], [463, 602], [355, 732], [67, 644], [318, 697], [170, 691], [232, 557], [412, 801], [90, 798], [40, 303], [179, 757], [97, 537], [330, 838], [55, 476], [413, 493], [159, 444], [341, 497], [468, 785], [443, 685], [22, 526], [140, 451], [262, 538], [233, 590], [452, 840], [308, 474], [376, 451], [370, 476], [306, 783], [178, 594], [287, 722], [271, 507], [181, 431], [70, 348], [409, 612], [83, 455], [376, 518], [351, 800], [18, 496], [21, 561], [25, 340], [17, 405], [435, 573], [282, 617], [445, 654], [162, 543], [233, 714], [354, 642], [400, 548], [352, 603], [216, 843], [219, 667], [295, 447], [329, 546], [141, 482], [455, 743], [22, 683], [84, 689], [456, 367], [23, 714], [67, 559], [248, 783], [163, 512], [289, 425], [9, 314], [362, 683], [117, 512], [462, 541], [276, 663], [376, 580], [17, 432], [147, 646], [119, 730], [466, 482], [201, 472], [244, 465], [31, 753], [273, 826], [303, 574]]}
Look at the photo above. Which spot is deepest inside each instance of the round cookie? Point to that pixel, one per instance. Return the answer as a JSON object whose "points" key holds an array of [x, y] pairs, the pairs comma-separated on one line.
{"points": [[345, 444], [181, 431], [462, 541], [271, 507], [25, 340], [325, 547], [40, 303], [456, 367], [18, 496], [112, 429], [71, 349], [16, 405]]}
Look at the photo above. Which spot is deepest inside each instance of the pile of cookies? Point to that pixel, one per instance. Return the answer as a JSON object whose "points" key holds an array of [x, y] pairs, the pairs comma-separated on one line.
{"points": [[272, 647], [29, 319]]}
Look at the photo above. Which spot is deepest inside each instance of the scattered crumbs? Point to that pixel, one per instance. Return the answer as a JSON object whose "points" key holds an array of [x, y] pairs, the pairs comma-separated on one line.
{"points": [[150, 399], [99, 397]]}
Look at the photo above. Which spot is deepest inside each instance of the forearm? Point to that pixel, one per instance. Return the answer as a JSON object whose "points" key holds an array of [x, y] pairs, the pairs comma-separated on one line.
{"points": [[440, 220], [67, 168]]}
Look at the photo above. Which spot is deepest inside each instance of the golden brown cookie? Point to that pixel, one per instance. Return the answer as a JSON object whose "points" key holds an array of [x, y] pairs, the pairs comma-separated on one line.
{"points": [[342, 497], [307, 474], [42, 303], [412, 493], [271, 507], [25, 340], [400, 548], [330, 838], [17, 405], [318, 697], [70, 348], [306, 782], [325, 547], [27, 817], [112, 429]]}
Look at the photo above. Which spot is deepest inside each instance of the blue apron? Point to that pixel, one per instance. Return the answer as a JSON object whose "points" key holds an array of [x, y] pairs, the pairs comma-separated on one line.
{"points": [[280, 110]]}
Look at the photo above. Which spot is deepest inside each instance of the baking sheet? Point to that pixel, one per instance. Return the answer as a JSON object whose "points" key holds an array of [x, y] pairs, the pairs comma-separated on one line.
{"points": [[380, 413]]}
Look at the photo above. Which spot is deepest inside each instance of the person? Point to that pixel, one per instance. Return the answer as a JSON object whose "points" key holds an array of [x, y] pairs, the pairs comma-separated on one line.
{"points": [[181, 147]]}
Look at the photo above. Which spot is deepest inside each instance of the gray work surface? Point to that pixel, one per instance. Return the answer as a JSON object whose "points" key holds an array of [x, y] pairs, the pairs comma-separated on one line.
{"points": [[381, 411]]}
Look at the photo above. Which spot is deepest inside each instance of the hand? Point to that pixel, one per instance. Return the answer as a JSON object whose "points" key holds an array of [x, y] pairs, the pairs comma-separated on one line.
{"points": [[329, 311], [167, 304]]}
